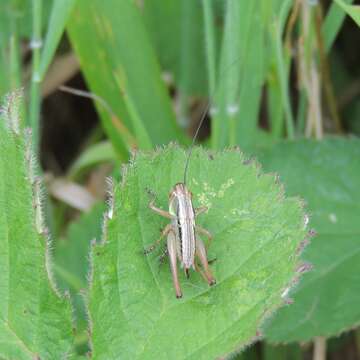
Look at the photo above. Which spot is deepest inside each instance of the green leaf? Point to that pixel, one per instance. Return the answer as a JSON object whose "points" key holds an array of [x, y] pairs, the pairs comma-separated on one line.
{"points": [[176, 31], [60, 13], [257, 231], [97, 153], [332, 24], [240, 76], [119, 63], [19, 11], [71, 257], [352, 10], [327, 175], [35, 321]]}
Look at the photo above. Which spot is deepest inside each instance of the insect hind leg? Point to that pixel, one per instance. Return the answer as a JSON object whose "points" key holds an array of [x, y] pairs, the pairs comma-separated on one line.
{"points": [[201, 254], [171, 247], [152, 247]]}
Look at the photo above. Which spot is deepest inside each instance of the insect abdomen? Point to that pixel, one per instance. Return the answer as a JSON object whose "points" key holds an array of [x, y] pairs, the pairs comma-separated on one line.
{"points": [[187, 243], [181, 206]]}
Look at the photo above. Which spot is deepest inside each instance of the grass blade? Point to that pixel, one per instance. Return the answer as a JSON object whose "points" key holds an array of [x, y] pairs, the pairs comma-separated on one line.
{"points": [[60, 13], [352, 10], [333, 21], [101, 33]]}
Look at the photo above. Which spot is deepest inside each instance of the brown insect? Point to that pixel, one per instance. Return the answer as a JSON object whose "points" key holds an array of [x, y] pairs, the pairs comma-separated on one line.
{"points": [[183, 241]]}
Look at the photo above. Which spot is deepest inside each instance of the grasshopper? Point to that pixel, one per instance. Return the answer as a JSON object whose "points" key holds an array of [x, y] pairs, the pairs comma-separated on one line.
{"points": [[183, 241]]}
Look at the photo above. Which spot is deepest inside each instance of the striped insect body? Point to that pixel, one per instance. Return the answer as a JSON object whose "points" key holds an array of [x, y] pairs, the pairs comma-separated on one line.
{"points": [[180, 206], [183, 242]]}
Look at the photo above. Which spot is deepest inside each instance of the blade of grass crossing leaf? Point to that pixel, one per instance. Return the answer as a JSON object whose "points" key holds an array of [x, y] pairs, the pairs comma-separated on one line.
{"points": [[332, 24], [60, 13], [352, 10]]}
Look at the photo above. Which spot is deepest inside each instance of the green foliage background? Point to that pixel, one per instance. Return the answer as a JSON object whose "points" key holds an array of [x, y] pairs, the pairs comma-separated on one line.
{"points": [[240, 54]]}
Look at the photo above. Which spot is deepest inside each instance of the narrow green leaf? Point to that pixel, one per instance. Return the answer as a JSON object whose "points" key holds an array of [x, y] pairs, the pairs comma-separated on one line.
{"points": [[332, 24], [191, 55], [119, 63], [176, 31], [132, 306], [35, 321], [238, 18], [283, 65], [60, 13], [95, 154], [352, 10], [19, 11], [275, 15], [327, 175], [211, 58], [252, 82], [241, 76]]}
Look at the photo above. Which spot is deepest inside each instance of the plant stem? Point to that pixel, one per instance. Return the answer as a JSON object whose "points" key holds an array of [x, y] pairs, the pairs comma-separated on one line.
{"points": [[36, 42], [283, 76], [210, 45], [325, 72], [283, 68], [319, 348], [309, 74]]}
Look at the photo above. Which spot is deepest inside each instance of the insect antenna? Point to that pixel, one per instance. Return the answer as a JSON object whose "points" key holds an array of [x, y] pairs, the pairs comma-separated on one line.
{"points": [[203, 117]]}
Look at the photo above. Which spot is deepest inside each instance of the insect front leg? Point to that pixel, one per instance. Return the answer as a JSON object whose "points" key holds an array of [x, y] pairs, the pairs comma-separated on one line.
{"points": [[159, 211], [171, 246], [165, 231], [201, 254]]}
